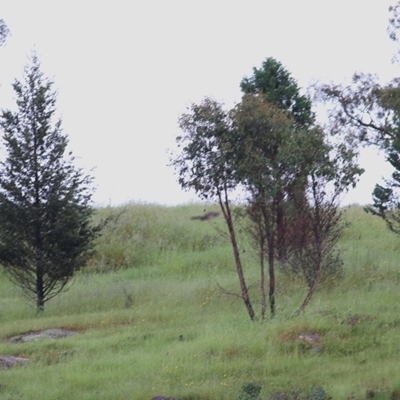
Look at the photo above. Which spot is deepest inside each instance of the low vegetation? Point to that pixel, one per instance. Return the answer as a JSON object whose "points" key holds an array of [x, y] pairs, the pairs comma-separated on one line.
{"points": [[155, 318]]}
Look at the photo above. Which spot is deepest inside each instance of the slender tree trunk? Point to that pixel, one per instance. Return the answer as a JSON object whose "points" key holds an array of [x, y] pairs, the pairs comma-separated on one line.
{"points": [[225, 207], [262, 277], [39, 266], [271, 270], [39, 289], [316, 221], [280, 226], [269, 225], [310, 293]]}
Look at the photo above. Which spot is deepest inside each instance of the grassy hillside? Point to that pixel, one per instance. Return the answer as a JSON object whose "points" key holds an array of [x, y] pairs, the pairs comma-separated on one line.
{"points": [[156, 280]]}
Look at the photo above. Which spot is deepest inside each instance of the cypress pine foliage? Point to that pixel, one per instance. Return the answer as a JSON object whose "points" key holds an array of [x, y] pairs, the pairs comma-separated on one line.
{"points": [[278, 86], [45, 202]]}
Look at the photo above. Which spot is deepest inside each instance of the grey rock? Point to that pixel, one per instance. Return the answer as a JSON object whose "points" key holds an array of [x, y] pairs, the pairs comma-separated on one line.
{"points": [[54, 333], [11, 361]]}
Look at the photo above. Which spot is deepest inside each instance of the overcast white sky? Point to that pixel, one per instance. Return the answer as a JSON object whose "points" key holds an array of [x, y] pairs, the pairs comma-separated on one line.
{"points": [[126, 70]]}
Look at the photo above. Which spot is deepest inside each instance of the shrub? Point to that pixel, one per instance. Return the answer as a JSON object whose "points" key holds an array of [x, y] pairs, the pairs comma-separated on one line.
{"points": [[249, 391]]}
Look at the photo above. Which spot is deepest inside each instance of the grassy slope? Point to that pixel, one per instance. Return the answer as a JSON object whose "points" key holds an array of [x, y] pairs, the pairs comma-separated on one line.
{"points": [[130, 319]]}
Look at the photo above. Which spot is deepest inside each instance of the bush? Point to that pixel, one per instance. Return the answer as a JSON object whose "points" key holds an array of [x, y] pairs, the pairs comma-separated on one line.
{"points": [[249, 391]]}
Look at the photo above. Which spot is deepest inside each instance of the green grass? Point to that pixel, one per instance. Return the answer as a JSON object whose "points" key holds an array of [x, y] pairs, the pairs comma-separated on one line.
{"points": [[156, 277]]}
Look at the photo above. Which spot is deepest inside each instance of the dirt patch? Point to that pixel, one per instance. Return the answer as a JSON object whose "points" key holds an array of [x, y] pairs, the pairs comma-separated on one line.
{"points": [[54, 333]]}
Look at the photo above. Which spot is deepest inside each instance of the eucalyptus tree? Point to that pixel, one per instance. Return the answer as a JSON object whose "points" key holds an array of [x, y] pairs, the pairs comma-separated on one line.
{"points": [[367, 113], [266, 163], [203, 165]]}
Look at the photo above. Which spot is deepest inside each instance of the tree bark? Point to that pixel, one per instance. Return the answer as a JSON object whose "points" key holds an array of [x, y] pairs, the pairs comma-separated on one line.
{"points": [[39, 290], [262, 277], [225, 207], [309, 295], [271, 270]]}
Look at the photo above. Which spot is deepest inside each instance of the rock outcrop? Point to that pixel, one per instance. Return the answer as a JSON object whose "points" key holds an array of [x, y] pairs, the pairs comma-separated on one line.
{"points": [[54, 333]]}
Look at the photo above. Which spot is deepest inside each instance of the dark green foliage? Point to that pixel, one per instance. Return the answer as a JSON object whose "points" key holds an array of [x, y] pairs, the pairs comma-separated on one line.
{"points": [[279, 88], [386, 203], [45, 212], [250, 391], [264, 132]]}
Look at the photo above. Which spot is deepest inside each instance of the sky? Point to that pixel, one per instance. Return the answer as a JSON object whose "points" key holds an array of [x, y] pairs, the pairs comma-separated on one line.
{"points": [[126, 70]]}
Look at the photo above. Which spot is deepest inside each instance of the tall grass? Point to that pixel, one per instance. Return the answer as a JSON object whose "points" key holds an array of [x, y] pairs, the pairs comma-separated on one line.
{"points": [[153, 320], [141, 235]]}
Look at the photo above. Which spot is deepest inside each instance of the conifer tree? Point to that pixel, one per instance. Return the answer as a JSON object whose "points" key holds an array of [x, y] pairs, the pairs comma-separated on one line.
{"points": [[45, 202]]}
